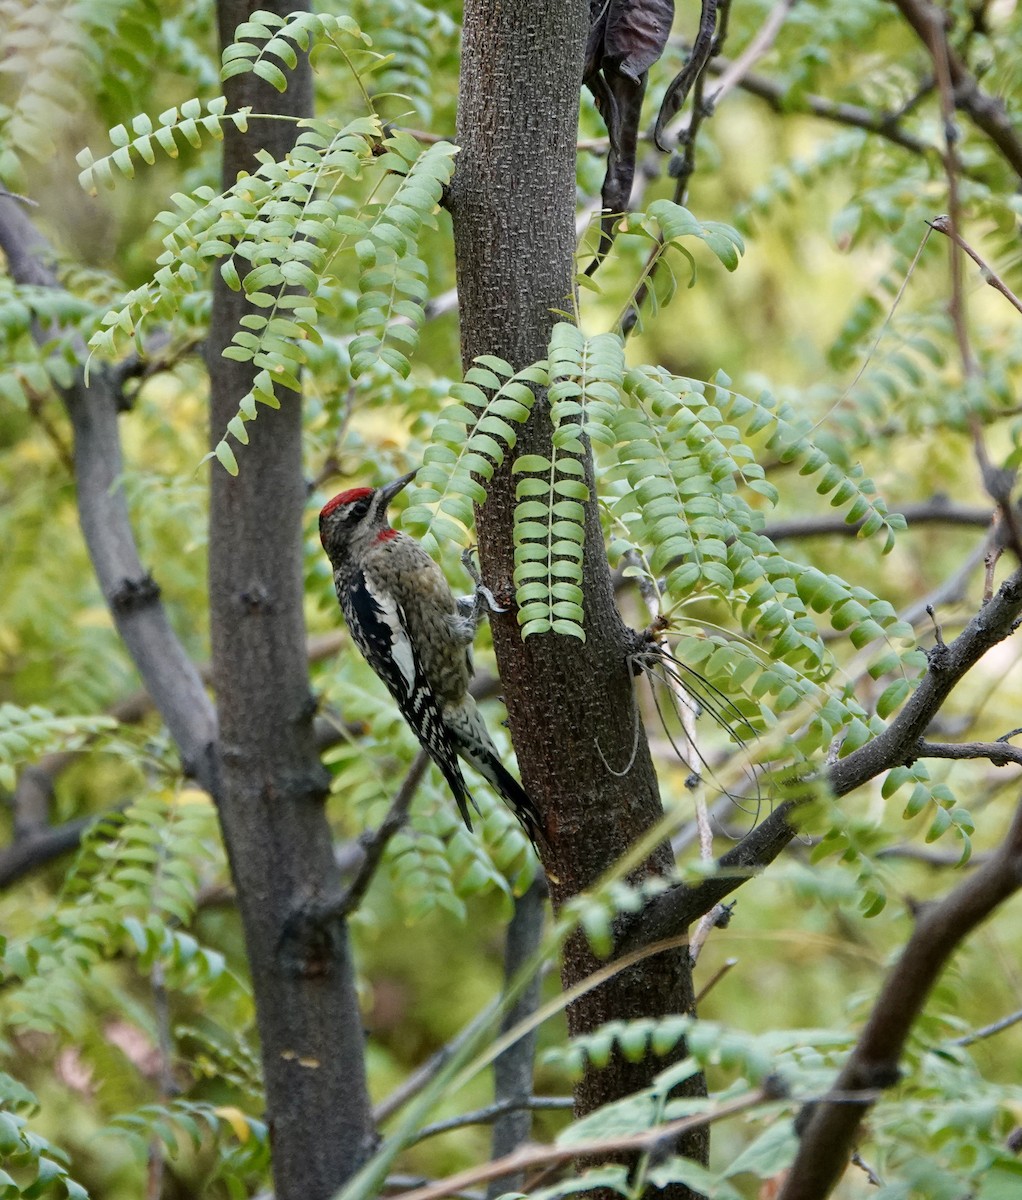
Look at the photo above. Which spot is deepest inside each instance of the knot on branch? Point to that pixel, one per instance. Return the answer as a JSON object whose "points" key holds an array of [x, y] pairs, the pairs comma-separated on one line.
{"points": [[134, 594], [256, 599], [310, 786], [775, 1087], [878, 1076], [644, 647], [938, 658], [311, 942]]}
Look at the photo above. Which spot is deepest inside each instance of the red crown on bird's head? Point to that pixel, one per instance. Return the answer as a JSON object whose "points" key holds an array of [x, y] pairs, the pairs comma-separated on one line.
{"points": [[343, 498]]}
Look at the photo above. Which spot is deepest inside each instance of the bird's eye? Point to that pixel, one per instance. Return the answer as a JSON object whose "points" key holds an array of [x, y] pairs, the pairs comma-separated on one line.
{"points": [[360, 507]]}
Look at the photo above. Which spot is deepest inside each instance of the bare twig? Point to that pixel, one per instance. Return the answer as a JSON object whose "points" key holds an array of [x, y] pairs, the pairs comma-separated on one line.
{"points": [[942, 224], [492, 1113], [930, 858], [979, 1035], [937, 44], [727, 965], [36, 843], [733, 74], [937, 511], [999, 753], [660, 1139], [377, 842], [43, 846], [424, 1076], [885, 124], [951, 590], [398, 1183], [37, 407]]}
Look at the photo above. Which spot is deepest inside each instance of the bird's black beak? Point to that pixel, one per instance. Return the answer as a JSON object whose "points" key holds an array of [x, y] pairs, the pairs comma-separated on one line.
{"points": [[390, 490]]}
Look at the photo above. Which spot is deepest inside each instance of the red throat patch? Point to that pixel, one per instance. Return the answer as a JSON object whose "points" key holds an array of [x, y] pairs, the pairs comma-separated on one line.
{"points": [[385, 535], [344, 498]]}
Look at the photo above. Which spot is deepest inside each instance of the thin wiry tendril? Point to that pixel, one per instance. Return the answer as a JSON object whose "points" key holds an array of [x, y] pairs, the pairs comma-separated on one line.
{"points": [[631, 757], [735, 800], [661, 664], [725, 700]]}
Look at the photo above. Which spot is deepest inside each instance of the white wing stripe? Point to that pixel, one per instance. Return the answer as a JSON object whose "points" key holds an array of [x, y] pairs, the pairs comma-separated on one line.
{"points": [[401, 646]]}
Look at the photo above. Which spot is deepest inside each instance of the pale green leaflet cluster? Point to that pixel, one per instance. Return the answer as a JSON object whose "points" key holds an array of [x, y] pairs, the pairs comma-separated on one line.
{"points": [[25, 733], [680, 485]]}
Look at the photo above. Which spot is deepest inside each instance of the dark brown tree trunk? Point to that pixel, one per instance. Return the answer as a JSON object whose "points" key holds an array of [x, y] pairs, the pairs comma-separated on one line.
{"points": [[513, 202], [271, 785]]}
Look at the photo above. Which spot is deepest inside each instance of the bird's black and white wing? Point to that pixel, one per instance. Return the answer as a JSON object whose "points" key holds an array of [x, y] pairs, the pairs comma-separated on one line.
{"points": [[380, 630]]}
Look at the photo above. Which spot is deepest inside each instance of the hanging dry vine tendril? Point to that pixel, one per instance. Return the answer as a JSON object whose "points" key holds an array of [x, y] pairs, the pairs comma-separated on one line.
{"points": [[626, 37], [652, 657], [680, 86]]}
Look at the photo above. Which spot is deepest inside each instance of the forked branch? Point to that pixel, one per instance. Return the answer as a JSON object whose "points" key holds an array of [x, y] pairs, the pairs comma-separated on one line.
{"points": [[900, 743]]}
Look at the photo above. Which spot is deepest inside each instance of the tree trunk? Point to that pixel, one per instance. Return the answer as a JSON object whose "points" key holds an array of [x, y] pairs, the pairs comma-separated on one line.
{"points": [[271, 784], [513, 202]]}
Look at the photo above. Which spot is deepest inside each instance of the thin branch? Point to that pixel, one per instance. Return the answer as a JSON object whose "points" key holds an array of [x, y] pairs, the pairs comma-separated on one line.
{"points": [[674, 910], [37, 407], [36, 850], [130, 591], [725, 967], [377, 843], [937, 44], [491, 1113], [943, 225], [34, 793], [999, 753], [398, 1183], [930, 858], [947, 666], [828, 1131], [36, 842], [884, 124], [987, 112], [677, 908], [660, 1139], [937, 511], [424, 1076], [733, 74], [952, 590], [979, 1035]]}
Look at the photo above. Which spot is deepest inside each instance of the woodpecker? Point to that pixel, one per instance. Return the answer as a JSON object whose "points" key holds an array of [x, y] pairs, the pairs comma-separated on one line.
{"points": [[414, 634]]}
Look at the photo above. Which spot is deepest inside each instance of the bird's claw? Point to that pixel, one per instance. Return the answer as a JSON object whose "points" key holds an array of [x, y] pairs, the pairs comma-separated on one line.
{"points": [[484, 594], [468, 561], [483, 597]]}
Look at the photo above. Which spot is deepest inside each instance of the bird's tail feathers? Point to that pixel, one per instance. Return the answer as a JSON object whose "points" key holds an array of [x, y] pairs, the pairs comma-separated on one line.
{"points": [[515, 796], [451, 771]]}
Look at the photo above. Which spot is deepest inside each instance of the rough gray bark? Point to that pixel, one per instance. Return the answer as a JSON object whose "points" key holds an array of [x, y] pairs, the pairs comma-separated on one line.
{"points": [[131, 592], [512, 1070], [513, 202], [271, 785]]}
